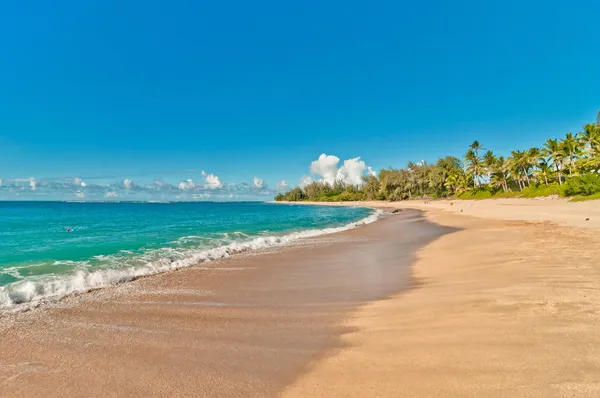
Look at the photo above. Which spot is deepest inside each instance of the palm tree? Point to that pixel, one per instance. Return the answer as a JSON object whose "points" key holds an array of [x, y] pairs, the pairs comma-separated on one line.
{"points": [[591, 137], [531, 159], [476, 147], [544, 170], [515, 170], [490, 162], [473, 165], [451, 183], [554, 152], [570, 145], [521, 164], [457, 182], [590, 163], [502, 170]]}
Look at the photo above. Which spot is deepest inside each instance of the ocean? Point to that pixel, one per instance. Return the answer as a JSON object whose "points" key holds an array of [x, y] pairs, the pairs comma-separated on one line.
{"points": [[52, 249]]}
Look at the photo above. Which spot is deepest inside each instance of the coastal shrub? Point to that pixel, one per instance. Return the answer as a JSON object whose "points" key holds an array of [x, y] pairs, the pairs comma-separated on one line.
{"points": [[585, 185], [595, 196], [294, 195], [475, 194], [508, 194], [540, 190], [350, 196]]}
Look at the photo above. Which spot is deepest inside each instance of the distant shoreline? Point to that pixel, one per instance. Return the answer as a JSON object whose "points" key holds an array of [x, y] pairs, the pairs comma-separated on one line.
{"points": [[561, 211]]}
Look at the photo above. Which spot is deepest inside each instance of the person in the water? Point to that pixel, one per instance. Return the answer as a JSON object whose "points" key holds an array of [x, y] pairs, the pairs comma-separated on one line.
{"points": [[69, 230]]}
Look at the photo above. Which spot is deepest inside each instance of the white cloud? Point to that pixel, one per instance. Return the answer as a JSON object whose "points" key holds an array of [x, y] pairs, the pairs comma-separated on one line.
{"points": [[304, 181], [79, 182], [259, 183], [70, 187], [188, 184], [326, 167], [212, 181], [371, 172], [282, 185], [352, 171]]}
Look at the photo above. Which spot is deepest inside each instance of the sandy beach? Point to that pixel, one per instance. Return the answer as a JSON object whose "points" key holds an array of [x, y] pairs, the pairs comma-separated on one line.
{"points": [[499, 299], [503, 308]]}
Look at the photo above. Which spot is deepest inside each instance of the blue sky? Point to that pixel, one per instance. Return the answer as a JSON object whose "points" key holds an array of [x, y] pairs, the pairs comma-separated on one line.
{"points": [[144, 90]]}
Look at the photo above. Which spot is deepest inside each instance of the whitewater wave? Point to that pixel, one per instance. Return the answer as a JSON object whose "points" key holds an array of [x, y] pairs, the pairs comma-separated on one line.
{"points": [[30, 293]]}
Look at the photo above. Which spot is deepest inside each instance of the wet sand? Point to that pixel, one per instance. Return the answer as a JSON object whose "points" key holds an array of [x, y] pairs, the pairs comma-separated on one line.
{"points": [[247, 326]]}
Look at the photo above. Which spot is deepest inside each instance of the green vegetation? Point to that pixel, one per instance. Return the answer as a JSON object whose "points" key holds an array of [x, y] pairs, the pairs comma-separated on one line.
{"points": [[585, 198], [568, 166]]}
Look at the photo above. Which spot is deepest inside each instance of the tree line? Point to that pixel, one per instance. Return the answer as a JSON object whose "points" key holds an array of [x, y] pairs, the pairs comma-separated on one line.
{"points": [[566, 166]]}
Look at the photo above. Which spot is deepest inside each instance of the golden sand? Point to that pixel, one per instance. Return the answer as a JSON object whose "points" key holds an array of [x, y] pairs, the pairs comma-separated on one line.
{"points": [[503, 309]]}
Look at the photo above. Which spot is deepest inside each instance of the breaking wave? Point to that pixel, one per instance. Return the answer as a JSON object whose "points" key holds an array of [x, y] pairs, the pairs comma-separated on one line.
{"points": [[30, 293]]}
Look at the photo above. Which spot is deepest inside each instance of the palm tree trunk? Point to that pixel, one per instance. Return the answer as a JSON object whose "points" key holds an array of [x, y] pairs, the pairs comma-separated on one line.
{"points": [[545, 179], [571, 161], [526, 177]]}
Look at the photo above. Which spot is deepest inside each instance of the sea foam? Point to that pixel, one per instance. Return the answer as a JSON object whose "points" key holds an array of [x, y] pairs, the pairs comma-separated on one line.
{"points": [[26, 294]]}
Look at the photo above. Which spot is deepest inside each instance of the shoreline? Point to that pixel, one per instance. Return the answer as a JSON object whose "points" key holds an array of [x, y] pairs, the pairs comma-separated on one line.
{"points": [[203, 330], [89, 280], [560, 211]]}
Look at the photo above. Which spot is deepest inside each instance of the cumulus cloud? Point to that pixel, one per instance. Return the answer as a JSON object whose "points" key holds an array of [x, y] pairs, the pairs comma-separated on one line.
{"points": [[326, 167], [187, 185], [352, 171], [371, 172], [212, 181], [209, 188], [282, 185], [259, 183]]}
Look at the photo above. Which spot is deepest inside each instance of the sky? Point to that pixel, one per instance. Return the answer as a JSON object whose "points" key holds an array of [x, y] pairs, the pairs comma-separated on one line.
{"points": [[230, 100]]}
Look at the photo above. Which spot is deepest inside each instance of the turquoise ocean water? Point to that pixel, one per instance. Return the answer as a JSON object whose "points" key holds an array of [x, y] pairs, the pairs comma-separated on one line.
{"points": [[116, 242]]}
